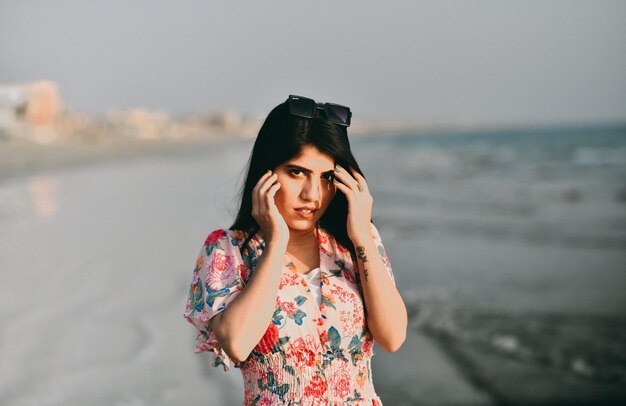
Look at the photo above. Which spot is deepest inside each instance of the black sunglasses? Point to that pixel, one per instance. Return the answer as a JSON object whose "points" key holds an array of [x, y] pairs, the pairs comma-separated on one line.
{"points": [[305, 107]]}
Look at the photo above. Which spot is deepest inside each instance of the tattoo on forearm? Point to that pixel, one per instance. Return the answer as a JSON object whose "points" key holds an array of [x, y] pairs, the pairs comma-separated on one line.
{"points": [[361, 255]]}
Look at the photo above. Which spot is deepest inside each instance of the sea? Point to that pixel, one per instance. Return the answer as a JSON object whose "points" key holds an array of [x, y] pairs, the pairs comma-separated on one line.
{"points": [[507, 245]]}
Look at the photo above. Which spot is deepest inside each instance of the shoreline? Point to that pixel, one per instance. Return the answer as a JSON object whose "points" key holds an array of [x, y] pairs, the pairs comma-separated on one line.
{"points": [[24, 157]]}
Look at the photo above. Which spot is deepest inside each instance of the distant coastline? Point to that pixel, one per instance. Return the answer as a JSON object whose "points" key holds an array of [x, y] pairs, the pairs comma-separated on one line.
{"points": [[23, 155], [38, 131]]}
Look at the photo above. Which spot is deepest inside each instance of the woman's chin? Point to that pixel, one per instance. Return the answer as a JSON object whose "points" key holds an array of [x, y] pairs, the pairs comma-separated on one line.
{"points": [[302, 224]]}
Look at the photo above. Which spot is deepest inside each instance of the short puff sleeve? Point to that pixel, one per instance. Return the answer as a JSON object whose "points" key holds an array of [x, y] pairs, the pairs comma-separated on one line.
{"points": [[217, 279], [381, 250]]}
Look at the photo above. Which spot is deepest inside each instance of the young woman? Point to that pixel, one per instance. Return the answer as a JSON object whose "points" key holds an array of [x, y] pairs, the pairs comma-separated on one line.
{"points": [[297, 289]]}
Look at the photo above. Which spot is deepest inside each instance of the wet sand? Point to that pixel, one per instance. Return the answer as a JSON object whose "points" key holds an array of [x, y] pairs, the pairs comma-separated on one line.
{"points": [[97, 258], [97, 255]]}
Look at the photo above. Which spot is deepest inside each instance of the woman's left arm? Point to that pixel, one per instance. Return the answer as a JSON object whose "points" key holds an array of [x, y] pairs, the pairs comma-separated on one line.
{"points": [[385, 310]]}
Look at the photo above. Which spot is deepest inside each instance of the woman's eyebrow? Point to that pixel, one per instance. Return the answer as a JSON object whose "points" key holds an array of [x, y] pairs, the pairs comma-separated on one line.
{"points": [[305, 170]]}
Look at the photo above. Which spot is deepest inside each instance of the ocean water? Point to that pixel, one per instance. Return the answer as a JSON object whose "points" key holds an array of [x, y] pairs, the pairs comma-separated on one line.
{"points": [[507, 246], [510, 247]]}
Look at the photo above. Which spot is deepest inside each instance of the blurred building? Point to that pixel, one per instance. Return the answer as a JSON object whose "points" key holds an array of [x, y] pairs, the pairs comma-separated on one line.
{"points": [[30, 110]]}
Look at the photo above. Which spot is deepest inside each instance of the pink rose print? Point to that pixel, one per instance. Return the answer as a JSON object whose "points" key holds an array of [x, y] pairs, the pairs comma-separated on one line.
{"points": [[367, 347], [223, 273], [301, 352], [288, 307], [268, 398], [340, 380], [349, 276], [221, 261], [214, 237], [242, 272], [289, 279], [324, 337], [316, 388], [269, 340]]}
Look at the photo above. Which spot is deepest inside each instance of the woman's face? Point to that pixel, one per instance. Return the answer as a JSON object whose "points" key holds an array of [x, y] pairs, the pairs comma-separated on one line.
{"points": [[306, 182]]}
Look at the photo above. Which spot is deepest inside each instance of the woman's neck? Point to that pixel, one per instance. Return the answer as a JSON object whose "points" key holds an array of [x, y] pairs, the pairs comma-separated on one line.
{"points": [[299, 239]]}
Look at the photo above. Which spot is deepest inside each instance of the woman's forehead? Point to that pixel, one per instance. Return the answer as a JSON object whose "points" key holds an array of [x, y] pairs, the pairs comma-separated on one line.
{"points": [[313, 159]]}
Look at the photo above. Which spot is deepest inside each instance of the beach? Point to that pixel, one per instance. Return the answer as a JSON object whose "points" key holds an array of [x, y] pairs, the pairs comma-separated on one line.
{"points": [[511, 264]]}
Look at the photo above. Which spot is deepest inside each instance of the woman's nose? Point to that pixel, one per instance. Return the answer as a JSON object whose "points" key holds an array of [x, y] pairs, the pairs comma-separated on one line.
{"points": [[311, 190]]}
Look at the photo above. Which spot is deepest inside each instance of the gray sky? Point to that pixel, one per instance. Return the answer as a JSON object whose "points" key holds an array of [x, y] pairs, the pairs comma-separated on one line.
{"points": [[487, 61]]}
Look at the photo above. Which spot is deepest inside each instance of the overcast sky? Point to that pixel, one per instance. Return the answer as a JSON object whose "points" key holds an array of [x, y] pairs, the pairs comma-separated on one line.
{"points": [[486, 61]]}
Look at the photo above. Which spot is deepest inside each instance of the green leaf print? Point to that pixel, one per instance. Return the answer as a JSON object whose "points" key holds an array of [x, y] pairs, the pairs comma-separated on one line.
{"points": [[337, 272], [381, 251], [198, 302], [334, 338], [276, 317], [357, 396], [210, 247], [282, 389], [355, 344], [249, 257], [328, 302], [298, 316], [212, 294], [218, 362], [355, 356], [271, 381]]}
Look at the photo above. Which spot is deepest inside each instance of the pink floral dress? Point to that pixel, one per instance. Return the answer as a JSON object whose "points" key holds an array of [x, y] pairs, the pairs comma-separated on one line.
{"points": [[309, 355]]}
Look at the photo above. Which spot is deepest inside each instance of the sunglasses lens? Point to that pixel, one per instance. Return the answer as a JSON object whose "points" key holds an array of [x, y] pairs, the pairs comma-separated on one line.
{"points": [[302, 106], [338, 114]]}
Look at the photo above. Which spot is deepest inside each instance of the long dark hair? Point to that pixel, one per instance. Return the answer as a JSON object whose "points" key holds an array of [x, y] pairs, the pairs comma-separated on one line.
{"points": [[281, 138]]}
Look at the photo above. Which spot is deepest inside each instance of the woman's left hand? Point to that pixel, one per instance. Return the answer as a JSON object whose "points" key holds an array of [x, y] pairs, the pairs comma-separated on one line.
{"points": [[360, 202]]}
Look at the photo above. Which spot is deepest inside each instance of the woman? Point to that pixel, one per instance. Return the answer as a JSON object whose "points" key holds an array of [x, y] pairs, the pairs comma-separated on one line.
{"points": [[291, 279]]}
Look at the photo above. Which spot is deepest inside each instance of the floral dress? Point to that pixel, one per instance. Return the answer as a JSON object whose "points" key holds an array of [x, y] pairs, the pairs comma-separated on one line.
{"points": [[309, 354]]}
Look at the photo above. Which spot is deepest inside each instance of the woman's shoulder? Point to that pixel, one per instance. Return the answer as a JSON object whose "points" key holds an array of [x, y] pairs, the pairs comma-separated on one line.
{"points": [[224, 234]]}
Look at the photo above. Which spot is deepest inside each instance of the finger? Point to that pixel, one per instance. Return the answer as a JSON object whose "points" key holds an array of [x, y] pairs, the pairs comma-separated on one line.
{"points": [[347, 179], [268, 182], [261, 180], [271, 192], [361, 181], [256, 197], [261, 198], [264, 175], [270, 197], [344, 189]]}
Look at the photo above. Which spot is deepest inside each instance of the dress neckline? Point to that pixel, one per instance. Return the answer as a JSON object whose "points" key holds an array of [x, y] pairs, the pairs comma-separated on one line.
{"points": [[312, 272], [327, 254]]}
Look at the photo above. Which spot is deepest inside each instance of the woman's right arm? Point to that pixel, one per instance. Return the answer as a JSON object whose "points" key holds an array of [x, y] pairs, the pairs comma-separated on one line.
{"points": [[240, 327]]}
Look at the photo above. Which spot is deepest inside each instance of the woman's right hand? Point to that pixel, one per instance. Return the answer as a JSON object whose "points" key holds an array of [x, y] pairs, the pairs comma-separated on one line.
{"points": [[264, 208]]}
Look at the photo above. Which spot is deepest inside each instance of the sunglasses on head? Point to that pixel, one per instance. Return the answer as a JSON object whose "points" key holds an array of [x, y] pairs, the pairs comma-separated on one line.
{"points": [[305, 107]]}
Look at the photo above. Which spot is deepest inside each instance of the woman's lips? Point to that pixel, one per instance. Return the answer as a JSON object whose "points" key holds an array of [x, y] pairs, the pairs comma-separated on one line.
{"points": [[306, 214]]}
